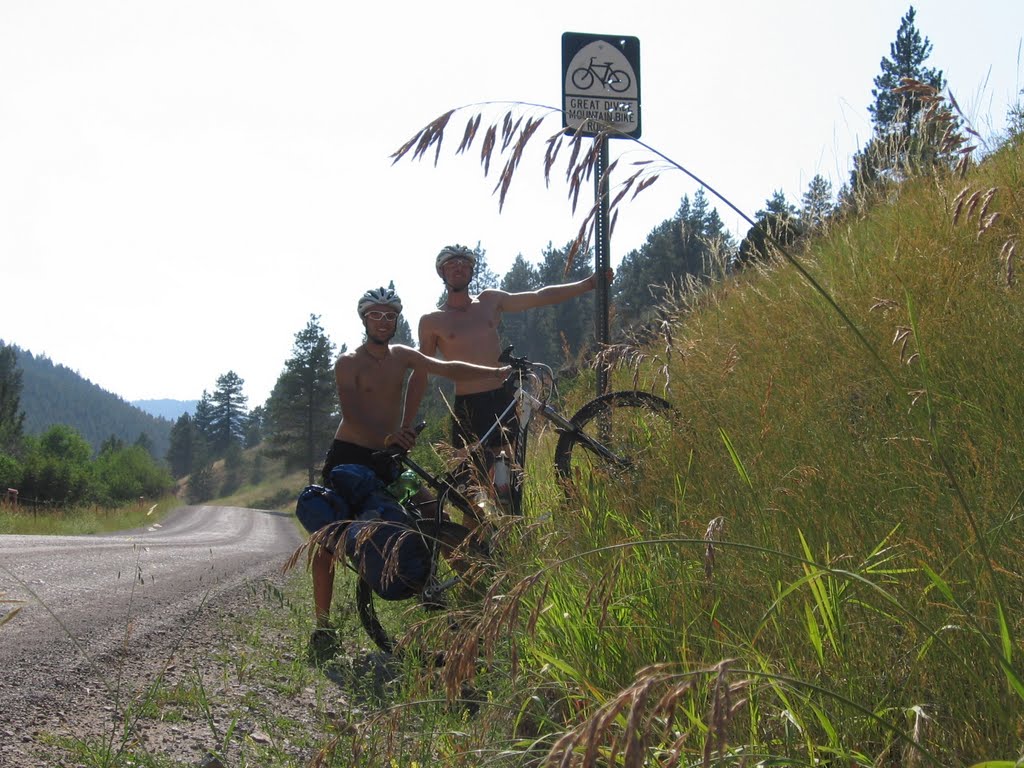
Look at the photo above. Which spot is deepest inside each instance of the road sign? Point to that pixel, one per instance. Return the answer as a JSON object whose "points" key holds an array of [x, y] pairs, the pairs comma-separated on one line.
{"points": [[601, 83]]}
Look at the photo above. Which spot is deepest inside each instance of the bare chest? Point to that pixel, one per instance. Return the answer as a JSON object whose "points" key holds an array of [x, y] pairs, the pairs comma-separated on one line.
{"points": [[384, 378], [468, 335]]}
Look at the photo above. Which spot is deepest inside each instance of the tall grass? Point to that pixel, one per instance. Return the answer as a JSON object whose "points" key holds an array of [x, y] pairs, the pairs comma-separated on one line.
{"points": [[824, 566], [84, 519], [869, 586]]}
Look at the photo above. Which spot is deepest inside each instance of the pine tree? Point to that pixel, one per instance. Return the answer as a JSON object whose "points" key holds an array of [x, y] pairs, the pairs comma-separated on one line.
{"points": [[182, 451], [145, 442], [778, 205], [519, 328], [12, 418], [679, 248], [483, 276], [899, 111], [227, 422], [901, 143], [254, 426], [777, 223], [203, 419], [403, 333], [816, 205], [302, 410]]}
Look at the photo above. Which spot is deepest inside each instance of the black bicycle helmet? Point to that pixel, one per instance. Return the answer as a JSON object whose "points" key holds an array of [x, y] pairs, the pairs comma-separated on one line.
{"points": [[451, 252], [377, 296]]}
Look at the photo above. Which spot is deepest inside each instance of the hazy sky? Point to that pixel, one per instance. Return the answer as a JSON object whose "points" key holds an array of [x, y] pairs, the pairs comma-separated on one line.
{"points": [[183, 182]]}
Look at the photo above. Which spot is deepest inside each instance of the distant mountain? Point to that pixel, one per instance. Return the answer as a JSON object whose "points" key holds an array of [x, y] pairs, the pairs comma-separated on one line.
{"points": [[167, 409], [53, 394]]}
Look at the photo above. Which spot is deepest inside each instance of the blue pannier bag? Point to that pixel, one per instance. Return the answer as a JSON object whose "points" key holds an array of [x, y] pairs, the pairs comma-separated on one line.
{"points": [[317, 507], [387, 550], [355, 482]]}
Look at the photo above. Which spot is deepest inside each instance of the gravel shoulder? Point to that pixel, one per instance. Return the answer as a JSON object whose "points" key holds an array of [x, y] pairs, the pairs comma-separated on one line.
{"points": [[111, 624]]}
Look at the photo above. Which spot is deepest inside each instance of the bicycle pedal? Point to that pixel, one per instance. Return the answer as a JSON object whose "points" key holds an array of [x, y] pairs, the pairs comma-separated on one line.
{"points": [[433, 600]]}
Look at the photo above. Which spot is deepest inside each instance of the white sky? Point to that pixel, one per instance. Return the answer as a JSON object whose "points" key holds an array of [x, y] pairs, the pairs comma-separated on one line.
{"points": [[183, 182]]}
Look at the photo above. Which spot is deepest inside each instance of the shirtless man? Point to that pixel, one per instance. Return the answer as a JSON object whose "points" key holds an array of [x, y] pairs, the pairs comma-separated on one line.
{"points": [[370, 381], [466, 328]]}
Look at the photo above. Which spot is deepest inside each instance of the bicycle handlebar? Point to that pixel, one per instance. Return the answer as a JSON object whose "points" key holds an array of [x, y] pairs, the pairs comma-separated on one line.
{"points": [[395, 451], [517, 363]]}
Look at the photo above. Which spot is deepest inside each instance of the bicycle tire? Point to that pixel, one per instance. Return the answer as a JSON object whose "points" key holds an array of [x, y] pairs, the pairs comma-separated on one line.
{"points": [[387, 628], [637, 422], [583, 75], [368, 617], [519, 473]]}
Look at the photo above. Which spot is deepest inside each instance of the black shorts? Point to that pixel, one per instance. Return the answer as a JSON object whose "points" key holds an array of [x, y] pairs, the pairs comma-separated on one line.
{"points": [[476, 413], [342, 452]]}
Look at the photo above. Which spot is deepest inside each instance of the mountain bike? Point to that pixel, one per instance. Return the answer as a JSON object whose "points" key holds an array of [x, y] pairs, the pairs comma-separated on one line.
{"points": [[609, 437]]}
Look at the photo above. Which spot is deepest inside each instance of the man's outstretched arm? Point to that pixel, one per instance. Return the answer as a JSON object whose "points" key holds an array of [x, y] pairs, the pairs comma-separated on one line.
{"points": [[551, 294]]}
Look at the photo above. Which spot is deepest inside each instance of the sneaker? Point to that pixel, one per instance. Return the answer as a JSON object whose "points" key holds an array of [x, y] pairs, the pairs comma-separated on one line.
{"points": [[323, 645]]}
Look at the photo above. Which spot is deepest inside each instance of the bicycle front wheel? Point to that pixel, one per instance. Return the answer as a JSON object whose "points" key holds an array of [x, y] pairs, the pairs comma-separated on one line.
{"points": [[614, 437]]}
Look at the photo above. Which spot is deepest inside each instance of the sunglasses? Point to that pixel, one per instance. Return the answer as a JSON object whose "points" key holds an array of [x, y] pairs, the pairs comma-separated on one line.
{"points": [[378, 315]]}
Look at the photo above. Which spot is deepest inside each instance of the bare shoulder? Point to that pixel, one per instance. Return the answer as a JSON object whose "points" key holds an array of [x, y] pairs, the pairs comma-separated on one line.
{"points": [[492, 298], [403, 352], [430, 320], [345, 360], [346, 370], [491, 294]]}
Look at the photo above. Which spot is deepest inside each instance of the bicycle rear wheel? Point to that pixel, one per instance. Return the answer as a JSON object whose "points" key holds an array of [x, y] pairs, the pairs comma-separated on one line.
{"points": [[388, 623], [614, 436]]}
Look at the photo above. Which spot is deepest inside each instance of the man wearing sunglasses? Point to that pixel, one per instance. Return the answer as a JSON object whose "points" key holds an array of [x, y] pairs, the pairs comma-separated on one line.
{"points": [[370, 381]]}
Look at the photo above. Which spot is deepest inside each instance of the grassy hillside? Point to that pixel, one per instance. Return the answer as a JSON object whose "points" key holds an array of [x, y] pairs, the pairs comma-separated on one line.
{"points": [[824, 565]]}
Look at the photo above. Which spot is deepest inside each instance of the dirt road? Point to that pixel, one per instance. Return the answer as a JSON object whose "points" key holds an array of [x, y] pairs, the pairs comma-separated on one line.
{"points": [[94, 604]]}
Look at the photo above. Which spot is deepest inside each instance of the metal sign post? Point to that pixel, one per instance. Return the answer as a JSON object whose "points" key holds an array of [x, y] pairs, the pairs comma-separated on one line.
{"points": [[601, 98], [602, 259]]}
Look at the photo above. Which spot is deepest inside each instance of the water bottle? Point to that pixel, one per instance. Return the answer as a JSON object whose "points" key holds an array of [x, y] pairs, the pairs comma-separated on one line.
{"points": [[407, 485], [502, 480]]}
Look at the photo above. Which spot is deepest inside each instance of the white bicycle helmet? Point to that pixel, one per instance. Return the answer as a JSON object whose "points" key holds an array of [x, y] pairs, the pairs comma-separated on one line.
{"points": [[450, 252], [377, 296]]}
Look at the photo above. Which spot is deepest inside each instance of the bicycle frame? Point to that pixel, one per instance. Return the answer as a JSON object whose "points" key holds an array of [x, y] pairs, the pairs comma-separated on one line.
{"points": [[448, 487], [441, 486], [528, 403]]}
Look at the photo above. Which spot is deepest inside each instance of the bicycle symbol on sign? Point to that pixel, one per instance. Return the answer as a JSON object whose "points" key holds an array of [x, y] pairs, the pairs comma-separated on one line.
{"points": [[615, 79]]}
